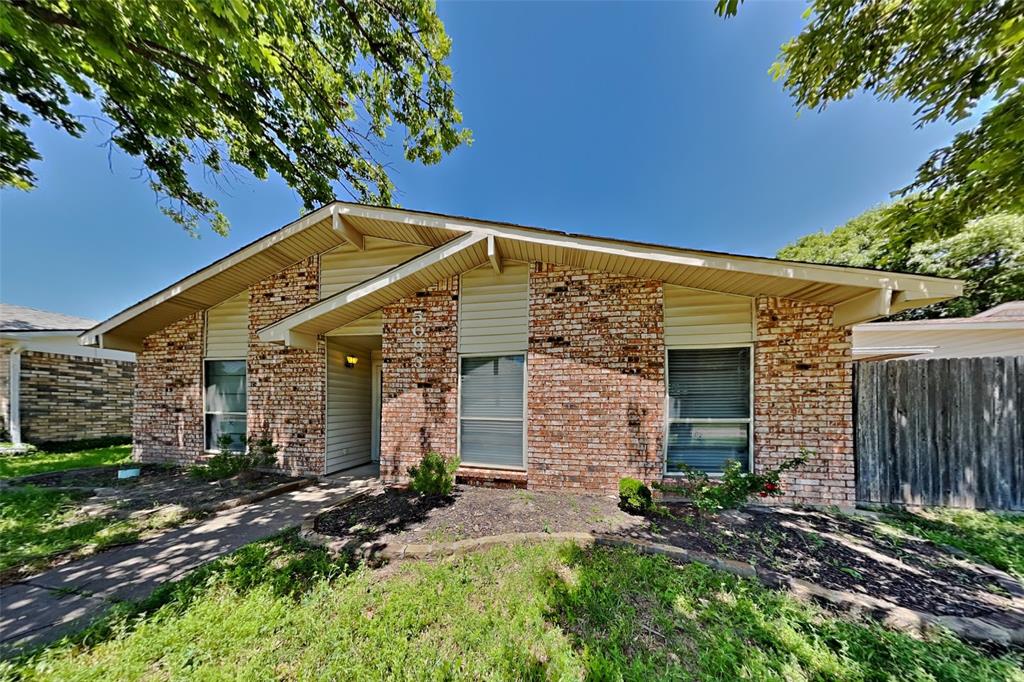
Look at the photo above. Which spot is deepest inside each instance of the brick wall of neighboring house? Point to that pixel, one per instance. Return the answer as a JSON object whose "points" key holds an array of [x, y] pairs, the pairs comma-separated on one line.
{"points": [[596, 382], [287, 386], [168, 414], [803, 397], [5, 392], [68, 398], [420, 377]]}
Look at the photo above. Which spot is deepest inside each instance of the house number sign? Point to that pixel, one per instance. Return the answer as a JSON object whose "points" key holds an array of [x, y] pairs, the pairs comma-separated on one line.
{"points": [[419, 344]]}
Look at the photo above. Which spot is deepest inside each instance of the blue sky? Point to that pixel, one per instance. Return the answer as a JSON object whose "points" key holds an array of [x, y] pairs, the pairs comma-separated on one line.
{"points": [[650, 121]]}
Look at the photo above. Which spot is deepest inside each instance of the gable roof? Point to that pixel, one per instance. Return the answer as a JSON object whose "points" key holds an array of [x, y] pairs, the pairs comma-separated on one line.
{"points": [[17, 318], [859, 294]]}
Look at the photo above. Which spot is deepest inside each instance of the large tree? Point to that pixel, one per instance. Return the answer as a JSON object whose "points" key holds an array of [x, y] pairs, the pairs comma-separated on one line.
{"points": [[305, 88], [988, 254], [946, 56]]}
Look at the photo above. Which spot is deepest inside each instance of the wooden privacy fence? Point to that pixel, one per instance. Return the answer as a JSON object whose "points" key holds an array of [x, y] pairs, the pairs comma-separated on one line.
{"points": [[947, 432]]}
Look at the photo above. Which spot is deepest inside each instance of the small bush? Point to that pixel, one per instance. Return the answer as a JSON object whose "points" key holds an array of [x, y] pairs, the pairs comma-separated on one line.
{"points": [[258, 451], [634, 496], [434, 475], [734, 487]]}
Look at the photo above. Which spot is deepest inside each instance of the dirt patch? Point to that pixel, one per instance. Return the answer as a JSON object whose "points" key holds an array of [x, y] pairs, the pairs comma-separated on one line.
{"points": [[155, 486], [841, 553], [396, 516]]}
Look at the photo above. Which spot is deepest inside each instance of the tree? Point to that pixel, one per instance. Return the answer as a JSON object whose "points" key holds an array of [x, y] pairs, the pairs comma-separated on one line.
{"points": [[947, 56], [306, 88], [988, 254]]}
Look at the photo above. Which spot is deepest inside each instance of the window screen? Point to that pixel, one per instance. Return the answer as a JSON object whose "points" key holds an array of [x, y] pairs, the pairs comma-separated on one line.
{"points": [[225, 401], [491, 419], [709, 408]]}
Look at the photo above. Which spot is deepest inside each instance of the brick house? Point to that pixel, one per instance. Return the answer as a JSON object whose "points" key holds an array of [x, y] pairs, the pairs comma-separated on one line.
{"points": [[53, 389], [540, 358]]}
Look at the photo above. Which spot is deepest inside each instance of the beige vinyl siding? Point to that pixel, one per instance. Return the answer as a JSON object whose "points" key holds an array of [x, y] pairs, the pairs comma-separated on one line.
{"points": [[349, 407], [372, 324], [705, 318], [493, 309], [227, 328], [344, 266]]}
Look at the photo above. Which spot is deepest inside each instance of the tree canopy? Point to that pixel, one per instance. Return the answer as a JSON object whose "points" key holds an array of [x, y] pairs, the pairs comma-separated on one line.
{"points": [[988, 254], [948, 57], [306, 88]]}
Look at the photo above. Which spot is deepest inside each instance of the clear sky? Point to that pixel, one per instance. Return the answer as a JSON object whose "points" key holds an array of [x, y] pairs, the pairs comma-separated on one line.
{"points": [[650, 121]]}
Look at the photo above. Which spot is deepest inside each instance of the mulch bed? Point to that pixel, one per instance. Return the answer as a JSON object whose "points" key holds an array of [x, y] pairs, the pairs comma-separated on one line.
{"points": [[397, 516], [155, 486], [841, 553]]}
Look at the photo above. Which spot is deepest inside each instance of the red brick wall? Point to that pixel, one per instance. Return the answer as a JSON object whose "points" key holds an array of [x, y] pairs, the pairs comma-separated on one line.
{"points": [[420, 376], [803, 397], [287, 385], [167, 422], [69, 397], [596, 381]]}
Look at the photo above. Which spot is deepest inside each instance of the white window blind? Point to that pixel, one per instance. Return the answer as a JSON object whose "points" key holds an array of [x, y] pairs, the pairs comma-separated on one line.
{"points": [[491, 404], [709, 408], [225, 402]]}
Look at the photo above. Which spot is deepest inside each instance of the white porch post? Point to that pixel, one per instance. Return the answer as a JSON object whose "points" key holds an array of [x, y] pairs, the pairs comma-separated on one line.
{"points": [[14, 405]]}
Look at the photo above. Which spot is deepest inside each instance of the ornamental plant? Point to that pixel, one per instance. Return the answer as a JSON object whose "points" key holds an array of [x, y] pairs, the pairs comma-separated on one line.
{"points": [[634, 496], [256, 451], [734, 487], [434, 475]]}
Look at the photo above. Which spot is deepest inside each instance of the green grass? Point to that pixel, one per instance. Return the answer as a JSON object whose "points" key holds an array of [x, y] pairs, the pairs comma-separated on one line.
{"points": [[996, 539], [281, 610], [37, 523], [12, 466]]}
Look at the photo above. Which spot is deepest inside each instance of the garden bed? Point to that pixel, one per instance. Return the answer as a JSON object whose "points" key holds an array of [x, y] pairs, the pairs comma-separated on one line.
{"points": [[842, 553], [396, 517]]}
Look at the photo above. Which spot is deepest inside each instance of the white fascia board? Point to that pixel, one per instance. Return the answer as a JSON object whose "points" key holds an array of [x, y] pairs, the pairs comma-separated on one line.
{"points": [[942, 324], [281, 331], [92, 336], [914, 286]]}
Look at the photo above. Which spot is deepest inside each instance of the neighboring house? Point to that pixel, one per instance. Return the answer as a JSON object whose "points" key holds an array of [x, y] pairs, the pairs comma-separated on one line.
{"points": [[53, 389], [998, 331], [540, 358]]}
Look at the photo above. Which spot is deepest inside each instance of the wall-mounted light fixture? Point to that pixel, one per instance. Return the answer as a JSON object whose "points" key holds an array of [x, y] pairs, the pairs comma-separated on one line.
{"points": [[351, 360]]}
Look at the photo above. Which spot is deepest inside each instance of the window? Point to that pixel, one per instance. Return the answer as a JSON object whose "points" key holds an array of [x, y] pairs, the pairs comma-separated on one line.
{"points": [[225, 401], [491, 411], [708, 408]]}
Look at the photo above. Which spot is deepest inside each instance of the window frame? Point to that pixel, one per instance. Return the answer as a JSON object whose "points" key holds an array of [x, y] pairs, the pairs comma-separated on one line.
{"points": [[215, 450], [523, 418], [669, 420]]}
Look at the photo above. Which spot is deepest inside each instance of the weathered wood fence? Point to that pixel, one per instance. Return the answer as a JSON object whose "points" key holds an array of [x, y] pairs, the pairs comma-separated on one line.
{"points": [[946, 432]]}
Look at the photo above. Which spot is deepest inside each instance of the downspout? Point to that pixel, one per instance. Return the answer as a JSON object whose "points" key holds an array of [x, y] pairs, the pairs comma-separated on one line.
{"points": [[14, 405]]}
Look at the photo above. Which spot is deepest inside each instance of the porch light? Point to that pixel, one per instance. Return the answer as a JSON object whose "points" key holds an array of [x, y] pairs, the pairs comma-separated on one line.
{"points": [[351, 360]]}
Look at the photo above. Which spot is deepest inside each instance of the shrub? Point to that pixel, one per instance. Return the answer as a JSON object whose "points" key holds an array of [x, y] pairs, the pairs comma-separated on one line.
{"points": [[634, 496], [434, 475], [734, 487], [257, 451]]}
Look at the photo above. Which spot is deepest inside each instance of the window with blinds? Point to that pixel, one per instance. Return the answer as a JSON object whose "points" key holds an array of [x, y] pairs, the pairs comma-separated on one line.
{"points": [[491, 411], [708, 408], [224, 401]]}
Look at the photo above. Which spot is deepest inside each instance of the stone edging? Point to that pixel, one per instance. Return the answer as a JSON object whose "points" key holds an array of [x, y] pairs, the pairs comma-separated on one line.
{"points": [[896, 617], [256, 496]]}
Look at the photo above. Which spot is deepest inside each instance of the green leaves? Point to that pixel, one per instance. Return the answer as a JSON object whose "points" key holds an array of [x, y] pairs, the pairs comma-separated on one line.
{"points": [[948, 57], [305, 88]]}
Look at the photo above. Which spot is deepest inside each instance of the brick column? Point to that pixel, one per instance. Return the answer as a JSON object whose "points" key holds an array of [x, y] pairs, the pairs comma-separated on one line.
{"points": [[167, 421], [421, 377], [287, 386], [803, 397], [596, 386]]}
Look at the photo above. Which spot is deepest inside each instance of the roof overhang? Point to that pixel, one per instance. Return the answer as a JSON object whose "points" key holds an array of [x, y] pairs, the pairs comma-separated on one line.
{"points": [[858, 294]]}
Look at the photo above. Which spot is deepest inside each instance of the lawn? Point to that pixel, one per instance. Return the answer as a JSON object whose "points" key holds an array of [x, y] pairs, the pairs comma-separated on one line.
{"points": [[12, 466], [37, 523], [992, 537], [282, 610]]}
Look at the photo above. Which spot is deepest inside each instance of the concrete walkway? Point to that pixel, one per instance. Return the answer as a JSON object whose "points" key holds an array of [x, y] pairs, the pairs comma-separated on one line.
{"points": [[67, 598]]}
